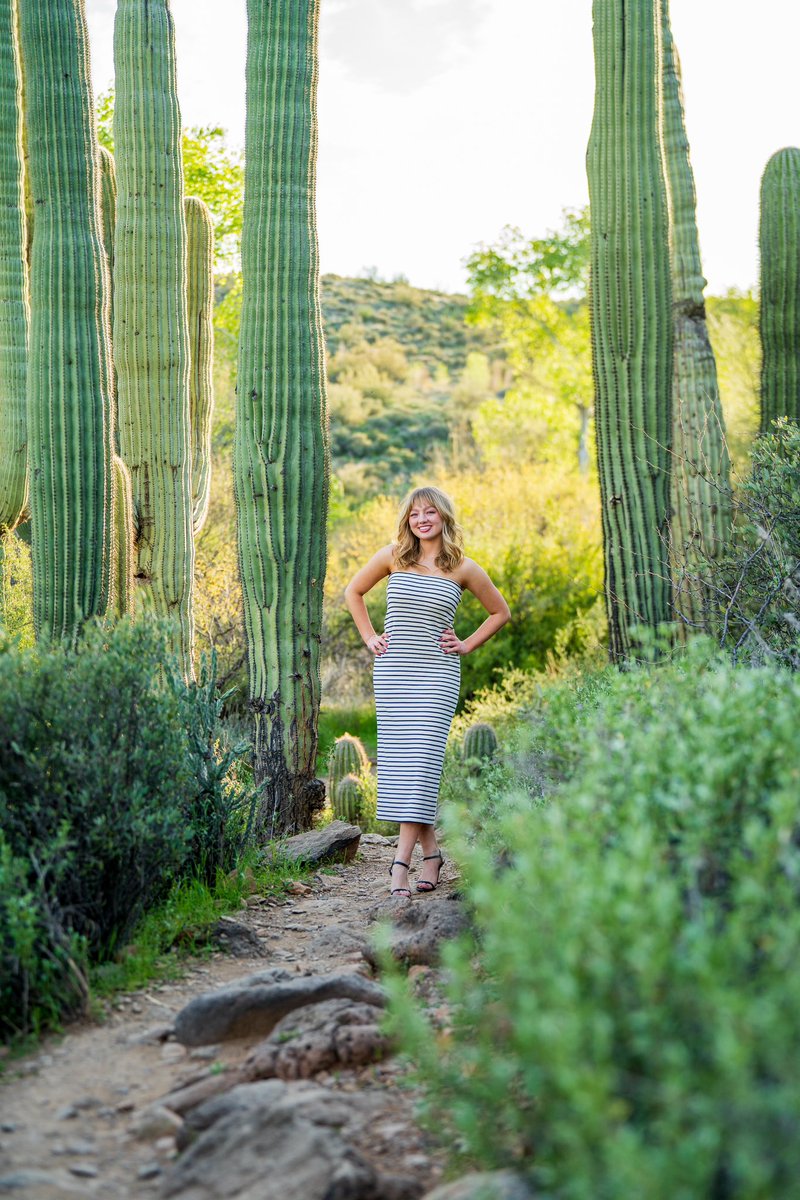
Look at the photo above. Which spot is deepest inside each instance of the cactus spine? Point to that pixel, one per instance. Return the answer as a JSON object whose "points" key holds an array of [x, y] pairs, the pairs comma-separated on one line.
{"points": [[14, 314], [480, 742], [779, 241], [69, 410], [200, 292], [151, 335], [631, 317], [347, 799], [701, 509], [280, 449], [348, 757]]}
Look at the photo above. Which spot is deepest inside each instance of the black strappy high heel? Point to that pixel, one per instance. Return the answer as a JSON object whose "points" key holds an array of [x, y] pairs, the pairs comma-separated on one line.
{"points": [[424, 885], [403, 892]]}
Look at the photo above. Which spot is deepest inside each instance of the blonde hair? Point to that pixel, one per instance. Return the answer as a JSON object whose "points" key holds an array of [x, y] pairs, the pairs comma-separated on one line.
{"points": [[407, 548]]}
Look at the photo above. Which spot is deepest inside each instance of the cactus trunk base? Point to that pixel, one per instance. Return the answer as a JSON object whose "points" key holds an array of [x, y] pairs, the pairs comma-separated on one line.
{"points": [[288, 802]]}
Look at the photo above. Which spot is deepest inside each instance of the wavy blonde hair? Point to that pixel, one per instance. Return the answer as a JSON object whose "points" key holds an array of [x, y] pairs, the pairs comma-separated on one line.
{"points": [[407, 548]]}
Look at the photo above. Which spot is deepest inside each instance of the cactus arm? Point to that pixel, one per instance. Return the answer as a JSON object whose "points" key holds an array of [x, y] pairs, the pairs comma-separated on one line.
{"points": [[631, 307], [280, 448], [779, 243], [200, 293], [151, 335], [701, 508], [123, 555], [14, 311], [69, 411]]}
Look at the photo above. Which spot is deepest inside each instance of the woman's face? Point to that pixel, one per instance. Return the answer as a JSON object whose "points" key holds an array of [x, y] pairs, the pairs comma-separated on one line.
{"points": [[425, 522]]}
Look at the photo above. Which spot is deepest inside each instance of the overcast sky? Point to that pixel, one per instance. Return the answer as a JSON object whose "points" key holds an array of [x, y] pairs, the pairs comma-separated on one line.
{"points": [[443, 120]]}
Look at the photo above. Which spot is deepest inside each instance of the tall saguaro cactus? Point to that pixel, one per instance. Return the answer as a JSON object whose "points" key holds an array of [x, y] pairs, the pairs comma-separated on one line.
{"points": [[13, 284], [151, 337], [701, 507], [631, 316], [69, 411], [280, 455], [200, 293], [779, 241]]}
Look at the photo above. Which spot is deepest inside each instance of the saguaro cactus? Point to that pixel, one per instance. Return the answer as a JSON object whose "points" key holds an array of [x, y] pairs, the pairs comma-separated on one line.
{"points": [[701, 509], [348, 757], [124, 540], [13, 283], [480, 742], [280, 455], [69, 410], [631, 317], [346, 800], [779, 241], [200, 291], [151, 336]]}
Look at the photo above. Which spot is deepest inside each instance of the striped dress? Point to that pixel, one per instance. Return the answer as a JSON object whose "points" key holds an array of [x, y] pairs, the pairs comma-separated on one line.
{"points": [[416, 692]]}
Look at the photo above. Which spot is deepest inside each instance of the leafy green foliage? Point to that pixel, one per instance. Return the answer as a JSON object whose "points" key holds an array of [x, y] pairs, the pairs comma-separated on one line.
{"points": [[113, 784], [624, 1023]]}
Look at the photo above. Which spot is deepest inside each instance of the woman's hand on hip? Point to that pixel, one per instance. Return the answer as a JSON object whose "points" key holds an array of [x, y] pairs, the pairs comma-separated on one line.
{"points": [[378, 644], [450, 644]]}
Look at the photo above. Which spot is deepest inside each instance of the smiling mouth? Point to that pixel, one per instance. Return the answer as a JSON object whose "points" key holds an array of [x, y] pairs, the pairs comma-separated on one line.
{"points": [[423, 528]]}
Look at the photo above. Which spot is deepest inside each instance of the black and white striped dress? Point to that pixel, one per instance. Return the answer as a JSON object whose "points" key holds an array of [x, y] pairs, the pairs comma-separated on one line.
{"points": [[416, 692]]}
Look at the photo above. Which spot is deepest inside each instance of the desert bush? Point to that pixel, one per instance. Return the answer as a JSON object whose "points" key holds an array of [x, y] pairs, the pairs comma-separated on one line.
{"points": [[114, 782], [624, 1022]]}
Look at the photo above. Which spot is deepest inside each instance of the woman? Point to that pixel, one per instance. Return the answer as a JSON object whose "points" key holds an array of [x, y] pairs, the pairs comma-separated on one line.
{"points": [[417, 671]]}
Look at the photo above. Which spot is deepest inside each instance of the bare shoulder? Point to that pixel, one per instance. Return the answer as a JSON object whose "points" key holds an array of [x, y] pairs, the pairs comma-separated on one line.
{"points": [[386, 556], [469, 572]]}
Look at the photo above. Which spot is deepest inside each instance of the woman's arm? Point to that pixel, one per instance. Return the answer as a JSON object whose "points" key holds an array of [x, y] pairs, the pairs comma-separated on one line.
{"points": [[478, 582], [363, 581]]}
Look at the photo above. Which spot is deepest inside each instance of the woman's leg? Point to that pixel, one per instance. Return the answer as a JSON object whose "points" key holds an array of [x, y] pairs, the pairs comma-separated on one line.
{"points": [[406, 841], [429, 871]]}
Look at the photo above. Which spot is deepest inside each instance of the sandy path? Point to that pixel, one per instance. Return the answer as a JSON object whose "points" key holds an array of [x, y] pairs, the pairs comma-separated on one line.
{"points": [[68, 1114]]}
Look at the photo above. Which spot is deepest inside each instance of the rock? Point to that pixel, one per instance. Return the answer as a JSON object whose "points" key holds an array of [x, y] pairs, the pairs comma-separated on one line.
{"points": [[185, 1098], [150, 1170], [155, 1122], [83, 1170], [484, 1185], [336, 940], [337, 842], [260, 1140], [43, 1185], [68, 1113], [254, 1005], [419, 929], [377, 839], [295, 888], [335, 1033], [237, 939], [151, 1036]]}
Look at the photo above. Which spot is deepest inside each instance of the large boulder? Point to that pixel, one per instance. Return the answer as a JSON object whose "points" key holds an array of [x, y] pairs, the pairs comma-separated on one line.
{"points": [[337, 842], [418, 930], [336, 1033], [253, 1006]]}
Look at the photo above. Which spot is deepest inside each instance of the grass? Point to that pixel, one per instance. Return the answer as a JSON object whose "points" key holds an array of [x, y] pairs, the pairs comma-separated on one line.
{"points": [[180, 926], [361, 722]]}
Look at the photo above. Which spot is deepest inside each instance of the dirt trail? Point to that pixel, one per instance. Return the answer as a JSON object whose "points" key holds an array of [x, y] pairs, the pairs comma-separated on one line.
{"points": [[68, 1114]]}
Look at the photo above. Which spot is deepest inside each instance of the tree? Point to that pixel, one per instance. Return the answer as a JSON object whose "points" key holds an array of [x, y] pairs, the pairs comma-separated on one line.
{"points": [[535, 290]]}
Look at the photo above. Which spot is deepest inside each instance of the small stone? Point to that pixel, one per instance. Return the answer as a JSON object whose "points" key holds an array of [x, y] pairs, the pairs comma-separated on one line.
{"points": [[295, 888], [155, 1122], [125, 1106], [149, 1171], [205, 1053], [166, 1146], [81, 1146], [68, 1113], [83, 1170], [171, 1052], [9, 1126]]}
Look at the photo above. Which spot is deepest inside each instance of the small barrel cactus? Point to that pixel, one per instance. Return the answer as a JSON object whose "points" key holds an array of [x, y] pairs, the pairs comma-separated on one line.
{"points": [[348, 757], [480, 742], [347, 799]]}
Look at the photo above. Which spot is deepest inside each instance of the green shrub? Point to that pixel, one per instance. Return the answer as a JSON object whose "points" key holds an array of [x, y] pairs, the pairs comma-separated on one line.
{"points": [[625, 1023], [112, 786]]}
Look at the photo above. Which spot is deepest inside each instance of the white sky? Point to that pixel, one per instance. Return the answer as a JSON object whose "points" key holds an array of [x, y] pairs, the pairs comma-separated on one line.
{"points": [[443, 120]]}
